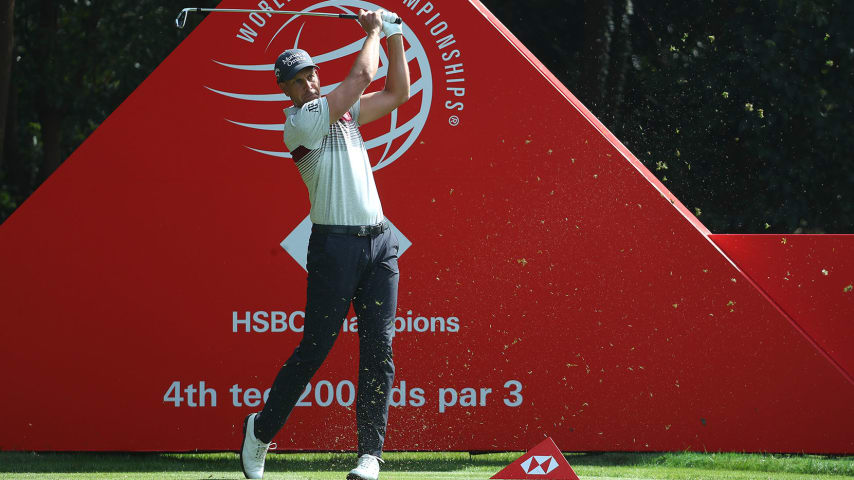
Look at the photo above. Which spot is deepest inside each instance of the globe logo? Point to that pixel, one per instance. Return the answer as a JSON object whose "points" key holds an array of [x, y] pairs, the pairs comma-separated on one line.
{"points": [[386, 139], [333, 47]]}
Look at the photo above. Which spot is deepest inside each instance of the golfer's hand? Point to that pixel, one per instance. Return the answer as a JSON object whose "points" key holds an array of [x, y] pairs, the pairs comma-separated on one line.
{"points": [[371, 22], [389, 27]]}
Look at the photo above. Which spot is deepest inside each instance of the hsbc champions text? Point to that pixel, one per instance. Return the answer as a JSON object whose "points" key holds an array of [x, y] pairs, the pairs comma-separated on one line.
{"points": [[352, 252]]}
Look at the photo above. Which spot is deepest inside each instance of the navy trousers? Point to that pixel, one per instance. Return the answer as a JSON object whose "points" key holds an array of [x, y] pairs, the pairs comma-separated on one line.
{"points": [[344, 269]]}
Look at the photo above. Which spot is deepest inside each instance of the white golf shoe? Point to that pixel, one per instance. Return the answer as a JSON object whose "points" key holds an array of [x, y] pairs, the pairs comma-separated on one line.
{"points": [[253, 452], [367, 468]]}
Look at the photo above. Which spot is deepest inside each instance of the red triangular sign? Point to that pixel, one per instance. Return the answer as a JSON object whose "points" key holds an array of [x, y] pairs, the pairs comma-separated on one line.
{"points": [[545, 461]]}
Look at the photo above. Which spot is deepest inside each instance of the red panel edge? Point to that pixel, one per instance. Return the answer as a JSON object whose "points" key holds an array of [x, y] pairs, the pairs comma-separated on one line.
{"points": [[587, 114], [842, 371]]}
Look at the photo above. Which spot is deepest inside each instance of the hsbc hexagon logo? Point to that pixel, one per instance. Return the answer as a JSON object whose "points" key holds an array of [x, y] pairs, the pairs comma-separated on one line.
{"points": [[544, 461], [539, 465]]}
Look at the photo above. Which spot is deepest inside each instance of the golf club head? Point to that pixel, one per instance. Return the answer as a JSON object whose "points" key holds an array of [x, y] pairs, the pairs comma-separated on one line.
{"points": [[181, 20]]}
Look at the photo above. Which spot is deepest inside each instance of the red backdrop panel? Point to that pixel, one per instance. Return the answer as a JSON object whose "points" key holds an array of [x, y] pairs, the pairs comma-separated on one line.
{"points": [[811, 278], [578, 299]]}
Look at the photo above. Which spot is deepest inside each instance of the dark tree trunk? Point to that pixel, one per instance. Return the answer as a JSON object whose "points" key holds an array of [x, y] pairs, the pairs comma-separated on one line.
{"points": [[606, 55], [50, 114], [15, 172], [7, 40], [51, 122], [621, 51], [595, 57]]}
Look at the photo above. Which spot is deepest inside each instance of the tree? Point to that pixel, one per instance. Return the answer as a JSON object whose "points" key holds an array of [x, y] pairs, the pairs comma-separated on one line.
{"points": [[605, 57], [743, 109], [78, 59], [7, 39]]}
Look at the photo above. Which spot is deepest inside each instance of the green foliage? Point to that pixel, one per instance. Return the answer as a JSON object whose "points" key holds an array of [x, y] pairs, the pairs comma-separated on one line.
{"points": [[6, 201]]}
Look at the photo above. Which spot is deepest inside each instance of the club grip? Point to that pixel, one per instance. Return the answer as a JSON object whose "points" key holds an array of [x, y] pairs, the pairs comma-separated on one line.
{"points": [[356, 17]]}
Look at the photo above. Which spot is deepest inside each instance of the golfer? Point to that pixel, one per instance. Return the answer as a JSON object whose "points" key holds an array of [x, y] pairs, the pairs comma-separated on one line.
{"points": [[352, 253]]}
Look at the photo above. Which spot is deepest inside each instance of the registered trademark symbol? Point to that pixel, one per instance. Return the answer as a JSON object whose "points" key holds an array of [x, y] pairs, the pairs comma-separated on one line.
{"points": [[454, 120]]}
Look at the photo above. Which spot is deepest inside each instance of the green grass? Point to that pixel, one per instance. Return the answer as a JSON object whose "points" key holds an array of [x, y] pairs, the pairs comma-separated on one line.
{"points": [[422, 465]]}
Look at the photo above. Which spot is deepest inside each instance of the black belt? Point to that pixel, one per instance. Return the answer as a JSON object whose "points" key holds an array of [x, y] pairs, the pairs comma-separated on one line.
{"points": [[357, 230]]}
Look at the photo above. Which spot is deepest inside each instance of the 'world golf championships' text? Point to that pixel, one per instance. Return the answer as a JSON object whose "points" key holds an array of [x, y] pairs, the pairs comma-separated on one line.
{"points": [[426, 12]]}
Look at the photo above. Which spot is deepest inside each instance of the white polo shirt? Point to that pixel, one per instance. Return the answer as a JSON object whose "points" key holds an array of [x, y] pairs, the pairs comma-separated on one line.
{"points": [[334, 165]]}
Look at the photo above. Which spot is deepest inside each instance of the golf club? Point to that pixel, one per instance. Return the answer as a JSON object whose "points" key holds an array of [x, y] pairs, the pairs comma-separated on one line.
{"points": [[181, 20]]}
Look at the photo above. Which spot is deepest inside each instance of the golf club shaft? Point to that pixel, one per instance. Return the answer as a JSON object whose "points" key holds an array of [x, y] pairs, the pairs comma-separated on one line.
{"points": [[182, 17]]}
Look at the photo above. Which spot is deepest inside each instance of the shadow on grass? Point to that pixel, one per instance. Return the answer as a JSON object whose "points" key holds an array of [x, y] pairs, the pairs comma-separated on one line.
{"points": [[90, 462]]}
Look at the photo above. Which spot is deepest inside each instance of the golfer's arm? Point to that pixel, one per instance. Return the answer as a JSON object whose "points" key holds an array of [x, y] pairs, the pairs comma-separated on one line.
{"points": [[396, 91], [347, 92]]}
